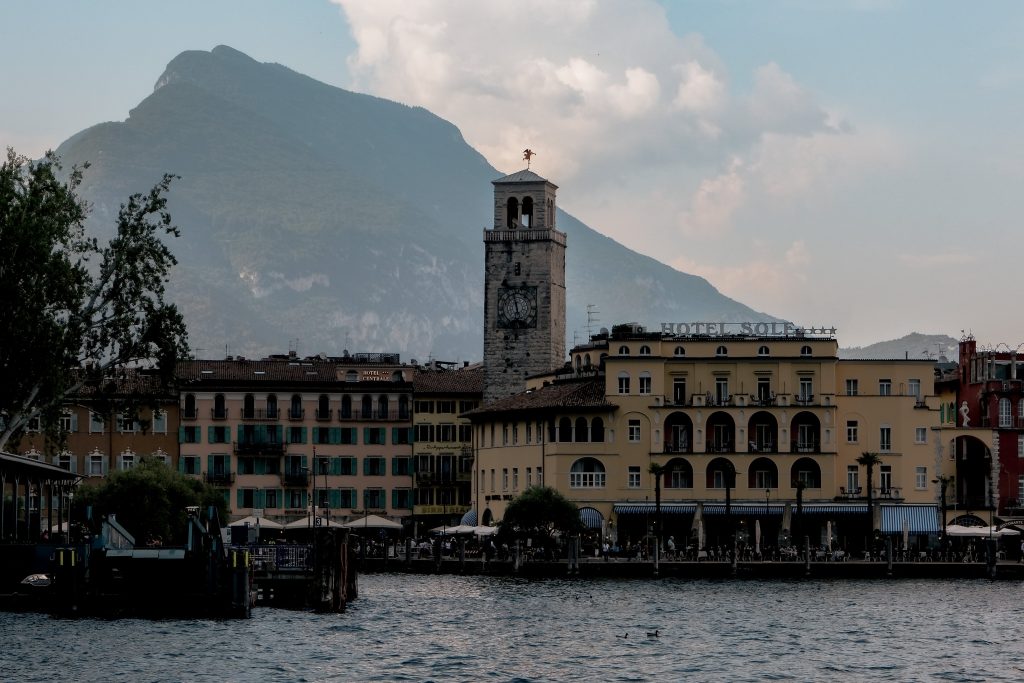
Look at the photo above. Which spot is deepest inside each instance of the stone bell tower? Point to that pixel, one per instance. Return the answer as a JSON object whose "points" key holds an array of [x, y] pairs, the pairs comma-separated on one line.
{"points": [[524, 285]]}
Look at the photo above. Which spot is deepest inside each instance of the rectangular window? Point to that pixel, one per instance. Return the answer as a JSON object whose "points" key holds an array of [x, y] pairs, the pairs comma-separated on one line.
{"points": [[806, 390], [446, 406], [540, 476], [219, 434], [446, 433], [401, 466], [851, 387], [914, 388], [645, 385], [885, 387], [465, 433], [466, 406], [679, 391], [190, 464], [127, 461], [68, 423], [920, 435], [373, 498], [1005, 417], [424, 433], [885, 439], [189, 435], [374, 465], [852, 479], [515, 433], [885, 478], [920, 478], [159, 421], [401, 499], [67, 461], [95, 423], [1020, 445], [424, 406], [492, 480], [623, 383], [296, 435], [764, 390], [634, 431], [126, 424], [504, 434], [586, 480], [718, 479], [1020, 487], [634, 477], [763, 479], [504, 479], [270, 499], [515, 478], [401, 436], [851, 431], [721, 390], [96, 465], [373, 436], [529, 432]]}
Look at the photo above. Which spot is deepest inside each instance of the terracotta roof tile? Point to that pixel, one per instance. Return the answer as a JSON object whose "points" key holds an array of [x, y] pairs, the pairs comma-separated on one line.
{"points": [[574, 394], [465, 381]]}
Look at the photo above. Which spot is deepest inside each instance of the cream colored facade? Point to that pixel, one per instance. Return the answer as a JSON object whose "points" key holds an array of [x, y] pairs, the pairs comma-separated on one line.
{"points": [[776, 410]]}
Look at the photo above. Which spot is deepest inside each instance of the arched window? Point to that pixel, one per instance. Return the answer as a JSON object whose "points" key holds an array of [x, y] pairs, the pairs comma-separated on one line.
{"points": [[579, 363], [586, 361], [587, 473], [382, 407], [526, 217], [346, 407], [597, 430], [403, 407], [623, 350], [367, 408], [565, 430], [249, 407], [271, 406], [762, 351], [721, 351], [512, 213], [1005, 418], [581, 430], [190, 406], [645, 350], [680, 351], [323, 406], [805, 350]]}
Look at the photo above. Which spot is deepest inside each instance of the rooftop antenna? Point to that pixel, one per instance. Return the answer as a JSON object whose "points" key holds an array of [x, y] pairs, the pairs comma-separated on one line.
{"points": [[527, 155], [591, 318], [293, 346]]}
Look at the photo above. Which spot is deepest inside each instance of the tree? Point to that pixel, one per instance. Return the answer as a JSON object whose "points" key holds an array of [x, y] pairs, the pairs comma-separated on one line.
{"points": [[869, 460], [539, 512], [657, 472], [151, 501], [76, 313]]}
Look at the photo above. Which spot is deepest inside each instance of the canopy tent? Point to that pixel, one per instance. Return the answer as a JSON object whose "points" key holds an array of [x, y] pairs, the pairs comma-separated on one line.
{"points": [[469, 518], [311, 522], [258, 522], [979, 531], [371, 522], [591, 518]]}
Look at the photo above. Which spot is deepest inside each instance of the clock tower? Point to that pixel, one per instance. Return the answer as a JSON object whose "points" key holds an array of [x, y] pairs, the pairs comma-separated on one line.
{"points": [[524, 285]]}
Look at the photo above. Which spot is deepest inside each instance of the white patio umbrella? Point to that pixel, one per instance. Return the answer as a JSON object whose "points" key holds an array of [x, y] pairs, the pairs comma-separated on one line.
{"points": [[309, 521], [979, 531], [906, 533], [371, 522], [757, 536], [828, 534], [700, 535], [485, 530], [260, 522]]}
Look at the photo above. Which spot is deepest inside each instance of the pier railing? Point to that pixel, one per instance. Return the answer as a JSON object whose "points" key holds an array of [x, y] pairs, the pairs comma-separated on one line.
{"points": [[281, 557]]}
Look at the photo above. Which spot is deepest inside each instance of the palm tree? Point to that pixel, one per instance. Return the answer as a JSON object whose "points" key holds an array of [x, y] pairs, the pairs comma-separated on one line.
{"points": [[869, 460], [657, 471]]}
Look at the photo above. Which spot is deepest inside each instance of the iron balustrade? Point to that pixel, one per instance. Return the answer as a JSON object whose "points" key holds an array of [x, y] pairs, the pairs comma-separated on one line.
{"points": [[300, 414], [324, 415], [218, 413], [257, 415], [259, 447]]}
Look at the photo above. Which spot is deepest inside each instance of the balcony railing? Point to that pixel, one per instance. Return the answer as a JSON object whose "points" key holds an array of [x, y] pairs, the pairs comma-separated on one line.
{"points": [[805, 447], [298, 414], [218, 413], [762, 447], [295, 478], [259, 447], [804, 400], [220, 478], [324, 415], [261, 414], [719, 447], [678, 447], [190, 414], [375, 414]]}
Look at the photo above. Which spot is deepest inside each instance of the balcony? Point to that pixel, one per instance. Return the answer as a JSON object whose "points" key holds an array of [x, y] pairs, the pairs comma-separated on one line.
{"points": [[805, 447], [804, 400], [762, 447], [218, 413], [190, 414], [261, 415], [295, 478], [220, 478], [299, 414], [765, 401], [259, 447], [720, 447], [376, 415], [324, 415], [677, 447]]}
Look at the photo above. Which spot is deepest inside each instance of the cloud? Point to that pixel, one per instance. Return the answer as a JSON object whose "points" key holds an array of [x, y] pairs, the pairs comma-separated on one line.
{"points": [[713, 204]]}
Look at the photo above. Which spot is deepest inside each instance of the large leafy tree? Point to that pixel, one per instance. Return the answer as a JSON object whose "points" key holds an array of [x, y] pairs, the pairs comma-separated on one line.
{"points": [[539, 512], [76, 313], [151, 501]]}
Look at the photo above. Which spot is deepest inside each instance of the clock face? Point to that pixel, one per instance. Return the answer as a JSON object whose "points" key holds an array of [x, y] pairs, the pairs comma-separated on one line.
{"points": [[517, 308]]}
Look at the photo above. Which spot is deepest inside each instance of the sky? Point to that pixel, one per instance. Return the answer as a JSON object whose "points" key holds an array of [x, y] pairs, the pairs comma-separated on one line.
{"points": [[846, 163]]}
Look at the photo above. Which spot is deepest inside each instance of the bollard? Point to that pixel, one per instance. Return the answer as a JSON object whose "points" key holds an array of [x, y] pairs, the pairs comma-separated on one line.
{"points": [[807, 555], [888, 555], [656, 557]]}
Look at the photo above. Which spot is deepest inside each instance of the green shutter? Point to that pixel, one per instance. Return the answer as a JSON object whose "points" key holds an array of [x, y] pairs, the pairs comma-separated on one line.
{"points": [[335, 466], [210, 435], [366, 465], [238, 496], [260, 467], [394, 498], [209, 463], [260, 498], [181, 435], [181, 464], [335, 498], [366, 435], [305, 462], [394, 465], [394, 435], [334, 435], [303, 435]]}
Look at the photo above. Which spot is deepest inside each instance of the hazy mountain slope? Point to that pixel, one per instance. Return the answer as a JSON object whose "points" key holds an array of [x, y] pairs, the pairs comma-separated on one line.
{"points": [[913, 345], [339, 219]]}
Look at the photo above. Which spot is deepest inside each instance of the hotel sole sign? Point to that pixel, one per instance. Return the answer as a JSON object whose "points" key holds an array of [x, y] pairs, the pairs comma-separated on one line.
{"points": [[751, 329]]}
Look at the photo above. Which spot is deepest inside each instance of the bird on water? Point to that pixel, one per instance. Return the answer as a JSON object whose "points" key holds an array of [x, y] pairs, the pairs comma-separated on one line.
{"points": [[653, 634]]}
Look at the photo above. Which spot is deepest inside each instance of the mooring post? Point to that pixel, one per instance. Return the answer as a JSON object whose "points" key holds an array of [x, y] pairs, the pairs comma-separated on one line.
{"points": [[888, 555], [655, 556], [735, 556]]}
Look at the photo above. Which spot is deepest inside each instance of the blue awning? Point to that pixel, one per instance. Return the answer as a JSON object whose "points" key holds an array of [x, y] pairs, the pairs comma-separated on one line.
{"points": [[922, 519], [469, 519], [754, 509], [833, 509], [651, 508], [591, 518]]}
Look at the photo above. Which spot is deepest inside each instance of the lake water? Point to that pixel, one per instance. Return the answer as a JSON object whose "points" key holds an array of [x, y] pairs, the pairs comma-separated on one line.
{"points": [[450, 628]]}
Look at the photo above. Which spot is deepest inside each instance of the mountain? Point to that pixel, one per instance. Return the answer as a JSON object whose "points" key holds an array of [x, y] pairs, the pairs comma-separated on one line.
{"points": [[321, 219], [914, 345]]}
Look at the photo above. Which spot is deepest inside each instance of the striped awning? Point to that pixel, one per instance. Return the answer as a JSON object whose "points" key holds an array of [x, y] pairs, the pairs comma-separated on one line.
{"points": [[469, 519], [744, 509], [591, 518], [651, 508], [833, 509], [922, 519]]}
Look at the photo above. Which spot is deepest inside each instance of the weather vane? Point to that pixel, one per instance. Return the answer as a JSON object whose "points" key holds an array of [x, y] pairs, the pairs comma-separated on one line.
{"points": [[527, 154]]}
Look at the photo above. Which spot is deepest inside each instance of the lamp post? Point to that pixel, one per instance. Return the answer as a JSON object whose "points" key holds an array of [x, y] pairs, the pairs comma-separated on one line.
{"points": [[943, 482]]}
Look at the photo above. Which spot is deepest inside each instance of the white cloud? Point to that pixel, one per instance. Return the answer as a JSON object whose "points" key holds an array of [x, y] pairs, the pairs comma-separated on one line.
{"points": [[713, 204]]}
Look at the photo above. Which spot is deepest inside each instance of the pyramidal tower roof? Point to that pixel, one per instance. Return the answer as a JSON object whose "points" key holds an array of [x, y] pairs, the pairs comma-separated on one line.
{"points": [[524, 176]]}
